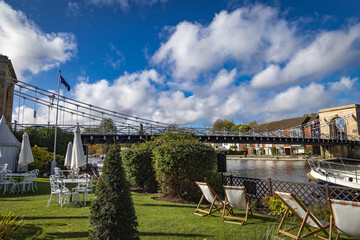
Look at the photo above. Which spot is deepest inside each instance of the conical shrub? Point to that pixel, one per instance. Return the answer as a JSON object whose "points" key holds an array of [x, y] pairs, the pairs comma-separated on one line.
{"points": [[112, 213]]}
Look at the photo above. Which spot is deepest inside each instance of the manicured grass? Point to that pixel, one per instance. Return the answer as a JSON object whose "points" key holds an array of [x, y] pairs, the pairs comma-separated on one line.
{"points": [[157, 220]]}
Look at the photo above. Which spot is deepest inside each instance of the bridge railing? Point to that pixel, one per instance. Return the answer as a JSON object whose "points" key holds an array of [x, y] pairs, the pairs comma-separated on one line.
{"points": [[125, 129]]}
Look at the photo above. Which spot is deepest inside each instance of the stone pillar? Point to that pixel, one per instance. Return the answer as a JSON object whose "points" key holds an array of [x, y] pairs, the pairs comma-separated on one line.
{"points": [[7, 81]]}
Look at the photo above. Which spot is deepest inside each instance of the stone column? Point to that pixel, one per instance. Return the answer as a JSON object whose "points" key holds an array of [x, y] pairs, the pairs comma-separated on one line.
{"points": [[7, 81]]}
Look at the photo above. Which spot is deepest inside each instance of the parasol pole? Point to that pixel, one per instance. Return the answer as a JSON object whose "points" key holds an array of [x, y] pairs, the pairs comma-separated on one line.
{"points": [[57, 111]]}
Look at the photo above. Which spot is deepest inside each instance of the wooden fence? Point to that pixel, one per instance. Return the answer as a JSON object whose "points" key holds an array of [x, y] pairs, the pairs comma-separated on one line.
{"points": [[310, 194]]}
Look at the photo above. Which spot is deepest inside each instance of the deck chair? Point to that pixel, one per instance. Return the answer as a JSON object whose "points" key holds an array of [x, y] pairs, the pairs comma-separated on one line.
{"points": [[235, 198], [305, 217], [215, 203], [345, 216]]}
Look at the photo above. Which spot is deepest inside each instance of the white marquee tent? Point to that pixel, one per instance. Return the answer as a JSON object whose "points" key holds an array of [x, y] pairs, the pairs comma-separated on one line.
{"points": [[9, 146]]}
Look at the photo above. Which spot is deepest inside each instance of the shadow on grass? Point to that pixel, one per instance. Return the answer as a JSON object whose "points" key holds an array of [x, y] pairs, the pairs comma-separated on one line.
{"points": [[166, 205], [43, 189], [173, 234], [57, 217], [67, 235], [28, 231]]}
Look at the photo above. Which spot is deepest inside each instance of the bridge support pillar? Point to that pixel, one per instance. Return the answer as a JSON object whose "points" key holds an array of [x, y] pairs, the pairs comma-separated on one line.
{"points": [[7, 81], [355, 152], [336, 151]]}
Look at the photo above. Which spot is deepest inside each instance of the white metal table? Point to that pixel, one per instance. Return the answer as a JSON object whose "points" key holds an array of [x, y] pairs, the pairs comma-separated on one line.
{"points": [[72, 197]]}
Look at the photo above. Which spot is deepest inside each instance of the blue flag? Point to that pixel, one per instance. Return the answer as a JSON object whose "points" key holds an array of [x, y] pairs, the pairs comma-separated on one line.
{"points": [[62, 80]]}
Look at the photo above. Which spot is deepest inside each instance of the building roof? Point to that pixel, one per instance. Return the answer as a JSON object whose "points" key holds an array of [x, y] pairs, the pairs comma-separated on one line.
{"points": [[281, 124]]}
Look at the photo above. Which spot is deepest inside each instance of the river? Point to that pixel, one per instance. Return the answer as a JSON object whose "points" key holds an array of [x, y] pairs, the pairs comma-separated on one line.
{"points": [[286, 170]]}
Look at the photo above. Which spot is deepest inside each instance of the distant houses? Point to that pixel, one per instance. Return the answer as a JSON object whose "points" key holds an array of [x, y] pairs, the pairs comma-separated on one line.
{"points": [[300, 127], [332, 123]]}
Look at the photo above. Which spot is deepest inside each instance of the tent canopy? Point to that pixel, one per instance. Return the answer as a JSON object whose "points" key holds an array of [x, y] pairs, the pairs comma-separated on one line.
{"points": [[6, 136], [9, 146]]}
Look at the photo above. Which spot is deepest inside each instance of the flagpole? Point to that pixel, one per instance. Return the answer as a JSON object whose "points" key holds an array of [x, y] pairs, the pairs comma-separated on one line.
{"points": [[56, 121]]}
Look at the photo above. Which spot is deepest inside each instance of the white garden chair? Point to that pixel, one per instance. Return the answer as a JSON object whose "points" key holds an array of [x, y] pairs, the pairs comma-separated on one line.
{"points": [[7, 182], [85, 188], [57, 188], [345, 216], [34, 175], [235, 198], [27, 181]]}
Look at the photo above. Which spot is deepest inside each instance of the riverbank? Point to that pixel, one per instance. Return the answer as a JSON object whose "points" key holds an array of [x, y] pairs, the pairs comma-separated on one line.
{"points": [[264, 158]]}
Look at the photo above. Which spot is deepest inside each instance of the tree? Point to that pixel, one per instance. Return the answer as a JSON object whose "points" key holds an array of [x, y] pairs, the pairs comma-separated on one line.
{"points": [[112, 214], [107, 126], [245, 128], [223, 124], [252, 124]]}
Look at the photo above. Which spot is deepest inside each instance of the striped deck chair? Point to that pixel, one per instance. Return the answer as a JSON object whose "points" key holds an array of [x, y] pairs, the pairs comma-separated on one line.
{"points": [[305, 217], [235, 198], [345, 216], [215, 203]]}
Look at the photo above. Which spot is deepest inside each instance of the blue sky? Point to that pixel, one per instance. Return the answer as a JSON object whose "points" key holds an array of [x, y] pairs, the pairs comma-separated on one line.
{"points": [[189, 62]]}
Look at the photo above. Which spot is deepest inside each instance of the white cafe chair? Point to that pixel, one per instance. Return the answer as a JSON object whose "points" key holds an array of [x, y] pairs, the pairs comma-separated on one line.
{"points": [[57, 188]]}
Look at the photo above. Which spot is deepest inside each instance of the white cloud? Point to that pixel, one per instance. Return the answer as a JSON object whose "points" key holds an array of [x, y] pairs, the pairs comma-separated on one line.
{"points": [[73, 9], [123, 4], [329, 52], [28, 47], [247, 36], [267, 77], [131, 93], [223, 80], [345, 83], [297, 99]]}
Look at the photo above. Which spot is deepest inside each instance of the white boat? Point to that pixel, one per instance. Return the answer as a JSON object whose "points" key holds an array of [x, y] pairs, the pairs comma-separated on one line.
{"points": [[335, 172]]}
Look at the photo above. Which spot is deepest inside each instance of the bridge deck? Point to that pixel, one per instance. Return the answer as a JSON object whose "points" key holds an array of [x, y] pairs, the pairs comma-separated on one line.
{"points": [[93, 139]]}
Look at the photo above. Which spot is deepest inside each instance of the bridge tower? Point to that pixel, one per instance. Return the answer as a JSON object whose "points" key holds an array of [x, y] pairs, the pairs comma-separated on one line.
{"points": [[347, 126], [7, 81]]}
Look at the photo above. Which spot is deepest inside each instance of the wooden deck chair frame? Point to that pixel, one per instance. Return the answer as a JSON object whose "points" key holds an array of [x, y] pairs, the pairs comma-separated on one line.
{"points": [[216, 204], [332, 202], [229, 205], [306, 221]]}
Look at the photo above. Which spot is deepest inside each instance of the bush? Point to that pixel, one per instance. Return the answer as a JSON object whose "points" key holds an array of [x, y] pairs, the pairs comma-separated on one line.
{"points": [[8, 225], [180, 160], [273, 150], [233, 147], [262, 152], [321, 211], [309, 151], [274, 204], [139, 168], [42, 158], [112, 214]]}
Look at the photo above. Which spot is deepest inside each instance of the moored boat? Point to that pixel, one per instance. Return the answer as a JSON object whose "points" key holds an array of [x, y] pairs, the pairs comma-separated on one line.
{"points": [[337, 173]]}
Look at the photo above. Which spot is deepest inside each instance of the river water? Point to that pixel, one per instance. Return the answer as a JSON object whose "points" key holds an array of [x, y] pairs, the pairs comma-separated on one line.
{"points": [[286, 170]]}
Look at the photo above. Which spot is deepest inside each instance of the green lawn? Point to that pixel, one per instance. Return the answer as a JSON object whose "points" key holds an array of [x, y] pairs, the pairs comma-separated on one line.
{"points": [[157, 220]]}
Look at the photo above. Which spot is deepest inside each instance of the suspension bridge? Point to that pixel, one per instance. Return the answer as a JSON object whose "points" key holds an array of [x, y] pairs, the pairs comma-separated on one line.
{"points": [[124, 128]]}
